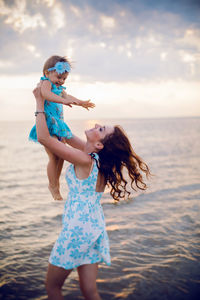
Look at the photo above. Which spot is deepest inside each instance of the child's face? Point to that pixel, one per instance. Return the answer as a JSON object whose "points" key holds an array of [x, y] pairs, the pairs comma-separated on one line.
{"points": [[57, 79]]}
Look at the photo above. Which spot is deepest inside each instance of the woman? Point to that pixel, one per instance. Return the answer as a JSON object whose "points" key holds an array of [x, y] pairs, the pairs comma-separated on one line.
{"points": [[83, 241]]}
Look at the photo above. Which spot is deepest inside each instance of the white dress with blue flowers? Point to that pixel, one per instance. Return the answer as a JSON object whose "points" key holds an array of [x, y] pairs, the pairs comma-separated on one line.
{"points": [[83, 239]]}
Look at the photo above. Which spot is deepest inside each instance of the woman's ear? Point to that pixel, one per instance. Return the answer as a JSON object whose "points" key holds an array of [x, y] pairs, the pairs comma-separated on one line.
{"points": [[99, 145], [46, 72]]}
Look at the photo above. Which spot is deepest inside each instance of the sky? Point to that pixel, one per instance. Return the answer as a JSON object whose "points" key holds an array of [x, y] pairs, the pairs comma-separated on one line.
{"points": [[132, 58]]}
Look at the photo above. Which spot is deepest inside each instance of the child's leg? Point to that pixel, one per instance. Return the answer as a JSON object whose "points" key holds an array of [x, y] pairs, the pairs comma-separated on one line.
{"points": [[54, 281], [54, 168], [59, 168], [87, 278]]}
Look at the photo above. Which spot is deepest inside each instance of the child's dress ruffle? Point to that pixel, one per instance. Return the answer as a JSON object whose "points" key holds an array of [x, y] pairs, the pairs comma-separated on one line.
{"points": [[54, 117]]}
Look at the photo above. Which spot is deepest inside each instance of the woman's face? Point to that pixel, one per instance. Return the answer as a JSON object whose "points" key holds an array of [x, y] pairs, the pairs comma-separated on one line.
{"points": [[98, 133]]}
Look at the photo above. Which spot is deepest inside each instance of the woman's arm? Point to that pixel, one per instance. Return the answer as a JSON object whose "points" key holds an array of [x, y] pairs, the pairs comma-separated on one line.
{"points": [[76, 142], [72, 155]]}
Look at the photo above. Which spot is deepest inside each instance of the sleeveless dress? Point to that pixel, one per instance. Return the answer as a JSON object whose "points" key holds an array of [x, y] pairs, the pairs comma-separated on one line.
{"points": [[83, 238], [54, 117]]}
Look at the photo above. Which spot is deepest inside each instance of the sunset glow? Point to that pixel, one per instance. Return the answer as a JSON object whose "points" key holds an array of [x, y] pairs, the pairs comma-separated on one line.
{"points": [[130, 58]]}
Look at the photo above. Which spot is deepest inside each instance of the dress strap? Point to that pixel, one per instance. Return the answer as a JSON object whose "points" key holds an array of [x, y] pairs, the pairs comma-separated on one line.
{"points": [[45, 78], [94, 155]]}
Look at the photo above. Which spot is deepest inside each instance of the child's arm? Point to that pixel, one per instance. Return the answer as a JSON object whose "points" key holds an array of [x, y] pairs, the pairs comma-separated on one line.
{"points": [[86, 104], [48, 95], [70, 154]]}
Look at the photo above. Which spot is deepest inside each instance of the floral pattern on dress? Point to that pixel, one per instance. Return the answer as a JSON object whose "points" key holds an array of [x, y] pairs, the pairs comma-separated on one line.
{"points": [[83, 238]]}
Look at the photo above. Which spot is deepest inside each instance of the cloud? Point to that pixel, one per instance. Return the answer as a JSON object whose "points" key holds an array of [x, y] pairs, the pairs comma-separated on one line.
{"points": [[57, 17], [18, 18], [107, 23], [33, 50], [108, 40]]}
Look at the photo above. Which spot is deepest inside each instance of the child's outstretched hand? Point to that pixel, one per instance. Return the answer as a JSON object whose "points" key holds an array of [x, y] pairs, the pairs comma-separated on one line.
{"points": [[87, 104], [71, 100]]}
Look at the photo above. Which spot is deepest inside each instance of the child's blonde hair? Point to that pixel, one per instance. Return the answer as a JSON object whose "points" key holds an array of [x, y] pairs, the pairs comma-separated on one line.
{"points": [[51, 61]]}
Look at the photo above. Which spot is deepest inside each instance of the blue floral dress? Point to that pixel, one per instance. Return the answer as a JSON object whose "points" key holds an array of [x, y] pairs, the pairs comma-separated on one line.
{"points": [[83, 239], [54, 117]]}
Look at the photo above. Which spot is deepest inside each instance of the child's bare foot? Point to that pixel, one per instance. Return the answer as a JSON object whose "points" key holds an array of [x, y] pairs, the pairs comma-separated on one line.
{"points": [[55, 192]]}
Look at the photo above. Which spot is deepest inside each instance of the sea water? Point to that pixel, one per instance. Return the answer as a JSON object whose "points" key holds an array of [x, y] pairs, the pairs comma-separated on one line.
{"points": [[154, 237]]}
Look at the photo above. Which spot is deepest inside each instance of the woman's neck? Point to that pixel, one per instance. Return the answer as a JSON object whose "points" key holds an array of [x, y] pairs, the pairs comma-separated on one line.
{"points": [[89, 148]]}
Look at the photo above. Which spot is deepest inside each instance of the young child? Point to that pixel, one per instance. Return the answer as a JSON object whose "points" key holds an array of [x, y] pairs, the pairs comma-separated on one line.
{"points": [[56, 70]]}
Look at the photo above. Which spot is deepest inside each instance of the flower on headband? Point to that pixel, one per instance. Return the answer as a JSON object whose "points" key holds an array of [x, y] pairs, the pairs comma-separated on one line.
{"points": [[61, 67]]}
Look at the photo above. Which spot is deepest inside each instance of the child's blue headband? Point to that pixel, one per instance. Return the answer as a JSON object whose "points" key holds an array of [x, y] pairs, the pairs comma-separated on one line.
{"points": [[61, 67]]}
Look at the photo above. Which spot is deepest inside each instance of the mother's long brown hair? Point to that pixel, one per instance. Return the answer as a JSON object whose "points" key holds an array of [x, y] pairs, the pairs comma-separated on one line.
{"points": [[116, 154]]}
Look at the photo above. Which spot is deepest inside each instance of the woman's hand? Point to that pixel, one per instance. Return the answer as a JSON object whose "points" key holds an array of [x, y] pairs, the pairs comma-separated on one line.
{"points": [[37, 93], [38, 97]]}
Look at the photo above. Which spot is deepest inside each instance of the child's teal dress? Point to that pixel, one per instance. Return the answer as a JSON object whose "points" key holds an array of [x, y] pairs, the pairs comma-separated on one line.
{"points": [[54, 117], [83, 238]]}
